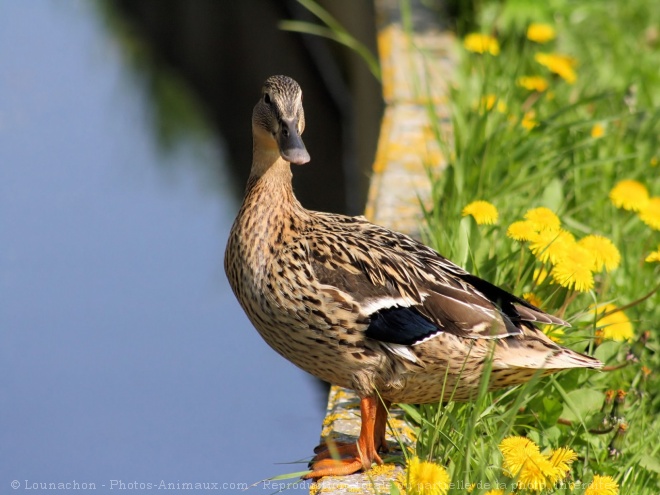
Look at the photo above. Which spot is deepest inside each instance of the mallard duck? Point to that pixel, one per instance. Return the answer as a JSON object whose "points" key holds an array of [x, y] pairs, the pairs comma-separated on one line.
{"points": [[364, 307]]}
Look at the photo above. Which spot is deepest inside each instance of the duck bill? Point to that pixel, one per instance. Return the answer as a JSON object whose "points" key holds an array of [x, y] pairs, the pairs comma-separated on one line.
{"points": [[291, 144]]}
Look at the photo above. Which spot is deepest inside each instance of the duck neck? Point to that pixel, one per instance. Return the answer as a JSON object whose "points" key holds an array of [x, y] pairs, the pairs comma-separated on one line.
{"points": [[269, 210], [269, 185]]}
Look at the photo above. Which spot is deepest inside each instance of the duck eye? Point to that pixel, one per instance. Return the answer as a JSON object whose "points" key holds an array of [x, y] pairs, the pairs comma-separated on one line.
{"points": [[266, 98]]}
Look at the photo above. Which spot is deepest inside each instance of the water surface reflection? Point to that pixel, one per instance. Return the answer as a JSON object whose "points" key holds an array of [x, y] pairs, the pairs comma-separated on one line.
{"points": [[124, 355]]}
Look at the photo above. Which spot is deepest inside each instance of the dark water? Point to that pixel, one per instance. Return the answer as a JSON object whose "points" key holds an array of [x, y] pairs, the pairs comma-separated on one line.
{"points": [[123, 356]]}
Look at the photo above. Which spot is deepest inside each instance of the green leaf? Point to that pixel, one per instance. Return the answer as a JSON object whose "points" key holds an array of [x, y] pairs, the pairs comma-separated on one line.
{"points": [[547, 408], [334, 31], [553, 195], [534, 436], [412, 411], [552, 409], [650, 463], [462, 250], [581, 403], [607, 350], [552, 435]]}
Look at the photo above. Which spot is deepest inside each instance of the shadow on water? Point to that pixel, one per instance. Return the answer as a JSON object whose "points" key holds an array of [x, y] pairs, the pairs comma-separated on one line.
{"points": [[225, 50], [124, 356]]}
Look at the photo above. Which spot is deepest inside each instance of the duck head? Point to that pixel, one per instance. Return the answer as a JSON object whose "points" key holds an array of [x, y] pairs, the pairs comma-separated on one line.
{"points": [[278, 120]]}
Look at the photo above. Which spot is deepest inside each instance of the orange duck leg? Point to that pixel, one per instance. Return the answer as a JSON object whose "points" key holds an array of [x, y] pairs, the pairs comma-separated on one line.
{"points": [[363, 453]]}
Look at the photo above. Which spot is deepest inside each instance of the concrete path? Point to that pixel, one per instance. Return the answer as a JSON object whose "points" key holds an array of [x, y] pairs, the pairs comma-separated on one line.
{"points": [[417, 60]]}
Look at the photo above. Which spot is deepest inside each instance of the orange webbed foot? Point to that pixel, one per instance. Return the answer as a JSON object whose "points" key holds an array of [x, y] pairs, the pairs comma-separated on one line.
{"points": [[331, 444], [360, 455], [332, 467], [336, 450]]}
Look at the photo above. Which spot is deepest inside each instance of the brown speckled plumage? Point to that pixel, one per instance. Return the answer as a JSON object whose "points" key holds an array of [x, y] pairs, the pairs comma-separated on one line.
{"points": [[364, 307]]}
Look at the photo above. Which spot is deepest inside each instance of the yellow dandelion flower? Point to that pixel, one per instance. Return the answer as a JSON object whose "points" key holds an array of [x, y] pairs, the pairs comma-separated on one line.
{"points": [[543, 218], [533, 83], [515, 444], [539, 244], [650, 214], [495, 492], [605, 253], [562, 65], [573, 270], [490, 101], [532, 299], [483, 212], [597, 131], [522, 460], [487, 101], [481, 43], [537, 221], [529, 120], [630, 195], [561, 460], [614, 326], [559, 247], [602, 485], [427, 478], [555, 333], [551, 245], [653, 256], [540, 274], [522, 230], [540, 33]]}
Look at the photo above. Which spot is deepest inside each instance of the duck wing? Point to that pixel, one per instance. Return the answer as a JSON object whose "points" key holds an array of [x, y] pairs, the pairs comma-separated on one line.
{"points": [[406, 291]]}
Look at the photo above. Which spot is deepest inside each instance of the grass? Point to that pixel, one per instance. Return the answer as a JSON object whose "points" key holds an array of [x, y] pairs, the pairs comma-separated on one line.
{"points": [[565, 148], [592, 121]]}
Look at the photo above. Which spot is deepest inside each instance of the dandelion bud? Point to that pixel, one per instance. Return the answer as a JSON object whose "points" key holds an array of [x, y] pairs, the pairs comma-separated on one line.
{"points": [[609, 400], [616, 445], [637, 349], [606, 411], [616, 416]]}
